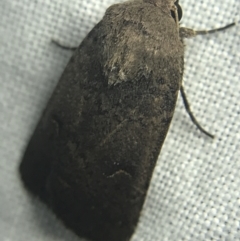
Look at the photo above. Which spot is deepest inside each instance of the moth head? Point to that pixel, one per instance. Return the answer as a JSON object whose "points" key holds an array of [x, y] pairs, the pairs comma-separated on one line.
{"points": [[179, 12], [173, 5]]}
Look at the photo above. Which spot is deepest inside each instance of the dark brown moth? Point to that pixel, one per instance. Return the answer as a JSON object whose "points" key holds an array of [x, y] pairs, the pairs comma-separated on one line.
{"points": [[94, 150]]}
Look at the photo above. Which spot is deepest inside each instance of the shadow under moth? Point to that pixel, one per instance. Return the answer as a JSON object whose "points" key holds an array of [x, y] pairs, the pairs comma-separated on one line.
{"points": [[95, 147]]}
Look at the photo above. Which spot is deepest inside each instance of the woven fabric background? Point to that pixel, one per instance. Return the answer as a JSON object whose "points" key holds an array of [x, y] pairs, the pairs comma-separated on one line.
{"points": [[195, 190]]}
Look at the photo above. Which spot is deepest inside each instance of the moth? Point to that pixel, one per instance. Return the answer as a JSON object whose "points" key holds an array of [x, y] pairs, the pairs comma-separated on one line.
{"points": [[93, 152]]}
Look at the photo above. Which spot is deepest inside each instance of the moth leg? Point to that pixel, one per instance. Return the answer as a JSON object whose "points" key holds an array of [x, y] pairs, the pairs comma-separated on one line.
{"points": [[63, 46], [188, 33], [194, 120]]}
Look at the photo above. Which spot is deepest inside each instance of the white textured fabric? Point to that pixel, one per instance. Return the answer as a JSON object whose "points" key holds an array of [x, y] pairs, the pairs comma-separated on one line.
{"points": [[195, 190]]}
